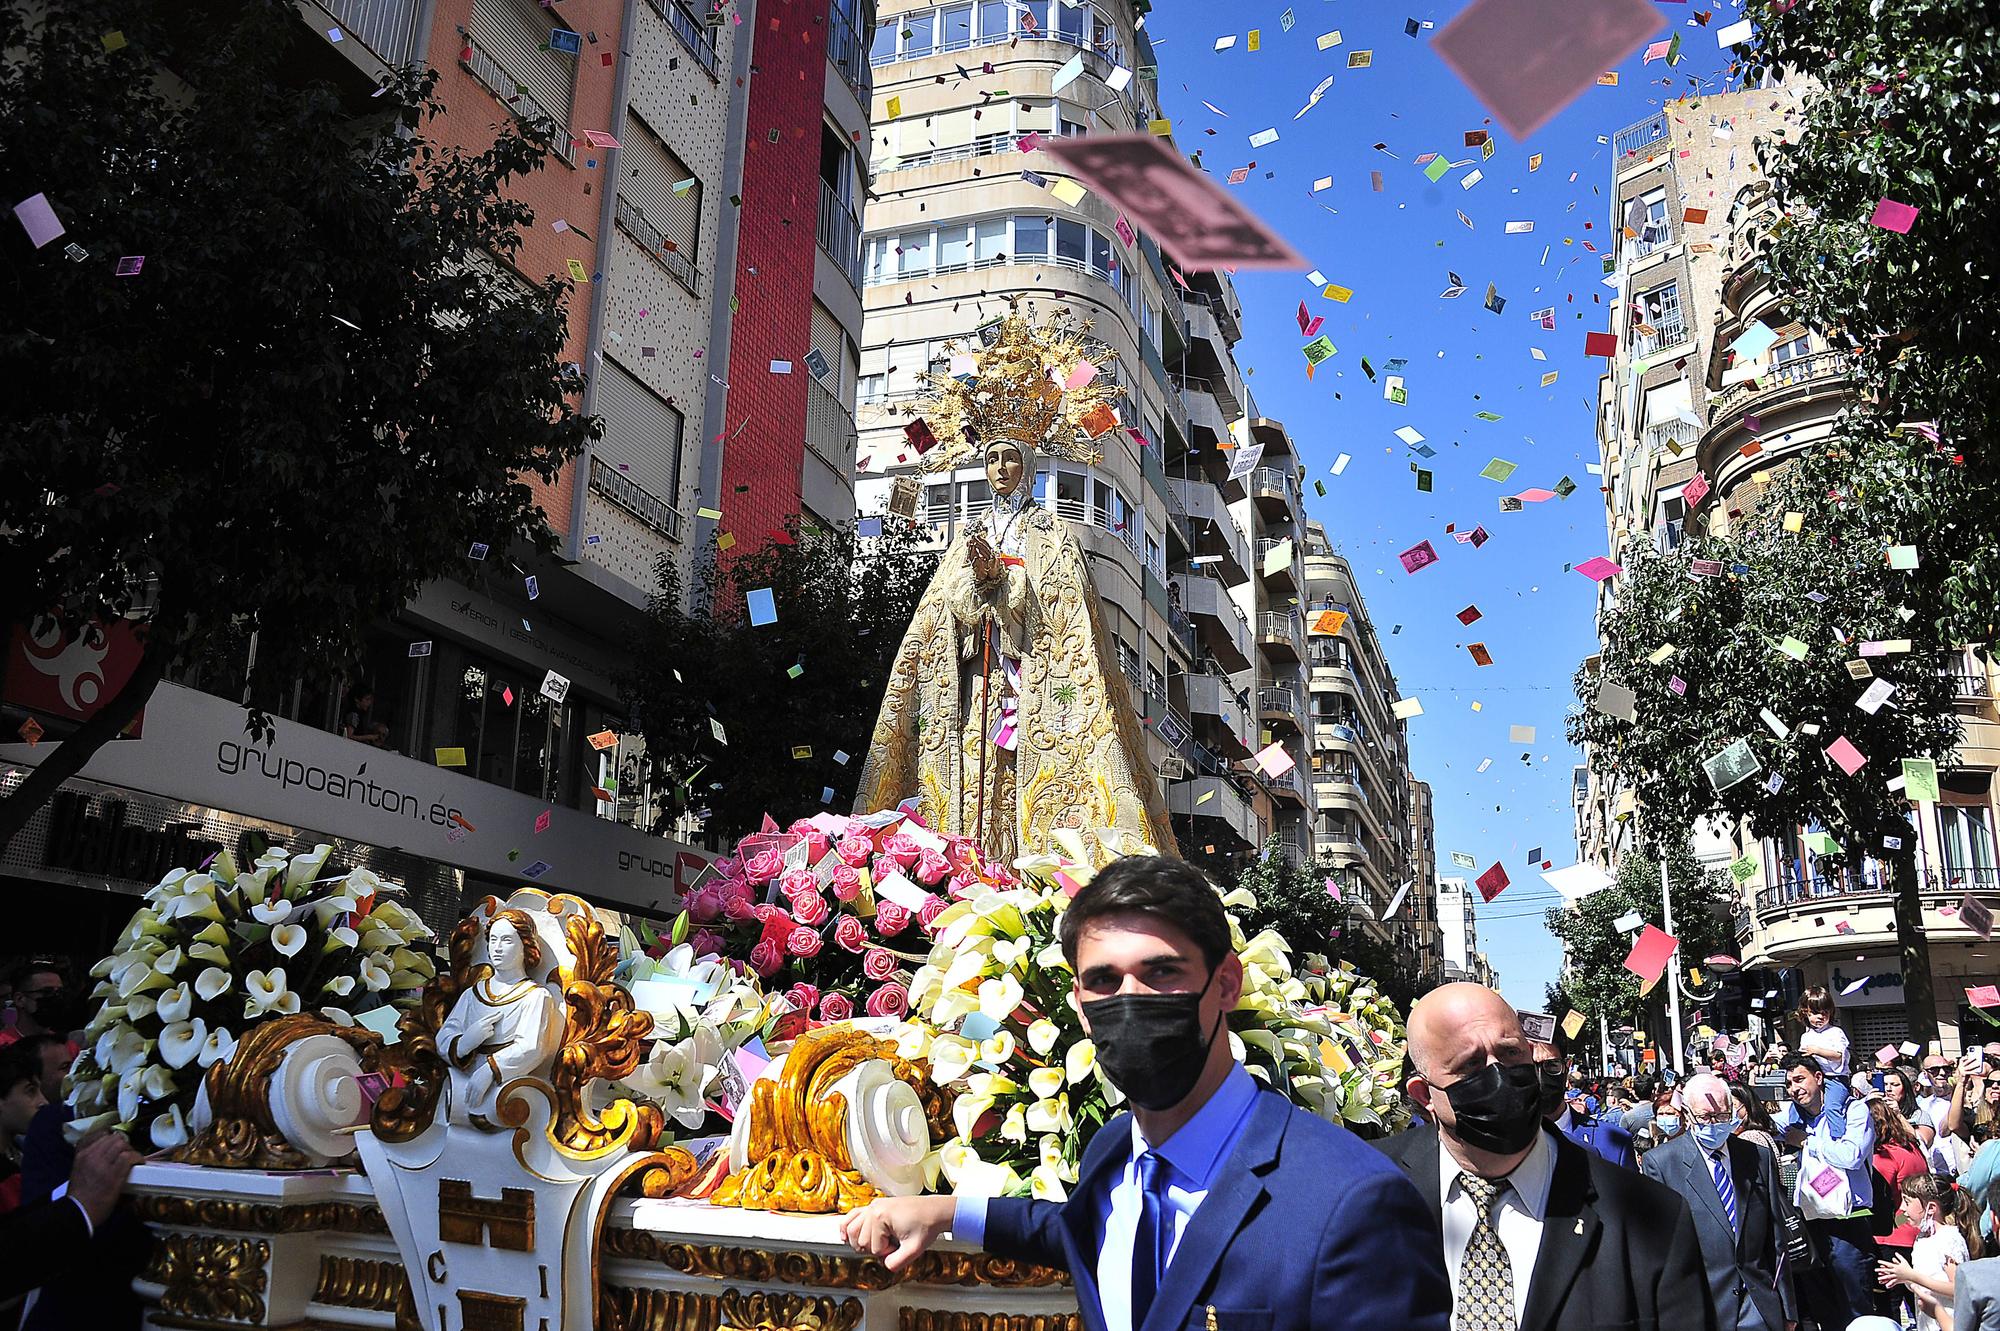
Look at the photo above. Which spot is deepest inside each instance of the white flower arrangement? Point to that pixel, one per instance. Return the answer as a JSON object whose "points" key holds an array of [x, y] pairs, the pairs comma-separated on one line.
{"points": [[215, 950], [703, 1010], [992, 1010]]}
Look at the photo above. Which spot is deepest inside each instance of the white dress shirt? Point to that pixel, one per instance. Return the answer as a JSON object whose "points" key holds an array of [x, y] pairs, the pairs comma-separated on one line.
{"points": [[1518, 1210]]}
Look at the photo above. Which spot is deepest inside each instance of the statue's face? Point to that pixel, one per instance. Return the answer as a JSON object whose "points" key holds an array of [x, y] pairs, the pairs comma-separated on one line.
{"points": [[503, 947], [1006, 467]]}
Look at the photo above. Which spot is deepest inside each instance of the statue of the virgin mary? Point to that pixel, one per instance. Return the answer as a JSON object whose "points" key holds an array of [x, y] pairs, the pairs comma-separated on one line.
{"points": [[1006, 716]]}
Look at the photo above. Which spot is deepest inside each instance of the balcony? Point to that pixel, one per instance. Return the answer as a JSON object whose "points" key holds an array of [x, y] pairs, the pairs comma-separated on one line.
{"points": [[1790, 395], [830, 428], [1283, 576], [511, 93], [632, 221], [1279, 706], [693, 33], [1333, 735], [1182, 629], [1217, 807], [386, 27], [1213, 534], [1797, 917], [1219, 626], [1667, 332], [1214, 697], [1282, 636], [1290, 787], [986, 145], [1970, 686], [839, 234], [1204, 411], [635, 499], [1635, 138], [849, 54], [1276, 493]]}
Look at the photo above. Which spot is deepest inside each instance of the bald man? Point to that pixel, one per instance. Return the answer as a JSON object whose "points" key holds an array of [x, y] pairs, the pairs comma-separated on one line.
{"points": [[1731, 1186], [1538, 1233]]}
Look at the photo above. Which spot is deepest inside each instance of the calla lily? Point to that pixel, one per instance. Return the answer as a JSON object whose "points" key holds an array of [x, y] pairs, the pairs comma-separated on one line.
{"points": [[266, 991], [1042, 1036], [180, 1042], [951, 1055], [287, 939], [170, 1129], [341, 936], [211, 984], [218, 1047], [998, 998], [215, 954], [272, 912], [340, 986], [1014, 1128], [1050, 1115], [156, 1082], [953, 1005], [140, 978], [374, 973], [997, 1048], [175, 1003], [1080, 1061], [77, 1129], [966, 1112], [1045, 1082], [213, 933], [139, 1007], [1046, 1185], [306, 868], [1240, 898], [1052, 1152]]}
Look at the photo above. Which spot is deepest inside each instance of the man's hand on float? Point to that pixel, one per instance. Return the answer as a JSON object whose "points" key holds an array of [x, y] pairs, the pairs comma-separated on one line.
{"points": [[897, 1229]]}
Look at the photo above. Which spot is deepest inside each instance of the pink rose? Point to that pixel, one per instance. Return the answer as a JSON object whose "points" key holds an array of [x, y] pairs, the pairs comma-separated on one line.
{"points": [[737, 889], [798, 882], [818, 844], [707, 943], [846, 883], [729, 866], [891, 1000], [902, 849], [835, 1007], [802, 996], [891, 919], [810, 909], [736, 908], [849, 933], [803, 942], [854, 850], [704, 905], [766, 957], [931, 866], [963, 884], [877, 964], [933, 907], [764, 866]]}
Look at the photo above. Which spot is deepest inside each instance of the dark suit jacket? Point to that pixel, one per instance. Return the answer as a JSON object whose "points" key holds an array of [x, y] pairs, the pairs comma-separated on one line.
{"points": [[38, 1241], [1618, 1251], [1742, 1262], [1305, 1229]]}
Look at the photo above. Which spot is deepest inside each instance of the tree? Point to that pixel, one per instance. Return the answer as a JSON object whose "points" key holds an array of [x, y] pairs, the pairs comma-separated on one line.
{"points": [[1594, 979], [1900, 109], [1293, 900], [743, 719], [316, 392], [1744, 694]]}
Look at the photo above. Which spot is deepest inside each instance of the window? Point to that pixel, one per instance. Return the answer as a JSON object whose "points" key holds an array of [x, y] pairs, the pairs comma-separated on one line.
{"points": [[914, 256], [1031, 238], [512, 735], [1037, 116], [1646, 218], [1102, 498], [1966, 839], [1672, 526], [1070, 243], [917, 34], [989, 240], [1797, 349], [1070, 21], [1069, 495], [872, 388], [642, 433], [884, 48], [994, 24], [957, 27], [1660, 311], [954, 249], [1070, 128], [509, 45], [666, 195], [937, 501]]}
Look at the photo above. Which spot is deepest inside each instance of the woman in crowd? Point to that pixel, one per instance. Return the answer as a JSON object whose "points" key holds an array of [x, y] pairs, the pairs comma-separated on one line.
{"points": [[1753, 1121], [1899, 1157]]}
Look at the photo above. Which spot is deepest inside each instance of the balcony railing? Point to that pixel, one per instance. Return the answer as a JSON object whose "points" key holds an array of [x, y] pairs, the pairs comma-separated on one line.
{"points": [[1785, 374], [1640, 135], [1265, 545], [849, 54], [1270, 480], [694, 34], [386, 27], [986, 145], [1271, 624], [1977, 684], [635, 499], [1282, 701], [839, 234], [1183, 628], [1666, 333], [633, 222], [830, 427], [481, 64]]}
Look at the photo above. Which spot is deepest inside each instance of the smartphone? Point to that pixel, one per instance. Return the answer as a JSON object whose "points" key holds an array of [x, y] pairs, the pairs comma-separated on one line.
{"points": [[1876, 1080], [1979, 1062]]}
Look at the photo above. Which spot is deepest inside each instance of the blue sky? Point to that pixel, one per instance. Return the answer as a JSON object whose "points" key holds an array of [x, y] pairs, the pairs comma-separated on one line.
{"points": [[1394, 248]]}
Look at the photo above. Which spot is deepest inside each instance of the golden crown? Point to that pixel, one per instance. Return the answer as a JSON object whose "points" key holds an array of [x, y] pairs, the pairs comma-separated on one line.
{"points": [[1041, 385]]}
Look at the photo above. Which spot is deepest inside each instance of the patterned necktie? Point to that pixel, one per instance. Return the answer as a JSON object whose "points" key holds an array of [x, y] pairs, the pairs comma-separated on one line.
{"points": [[1153, 1239], [1719, 1168], [1485, 1276]]}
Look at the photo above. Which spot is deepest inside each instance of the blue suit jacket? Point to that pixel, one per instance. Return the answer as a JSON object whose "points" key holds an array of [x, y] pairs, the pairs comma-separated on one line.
{"points": [[1608, 1141], [1307, 1228]]}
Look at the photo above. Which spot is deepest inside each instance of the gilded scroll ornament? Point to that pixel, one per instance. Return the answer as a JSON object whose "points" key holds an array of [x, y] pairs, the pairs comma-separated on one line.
{"points": [[211, 1276], [622, 1308]]}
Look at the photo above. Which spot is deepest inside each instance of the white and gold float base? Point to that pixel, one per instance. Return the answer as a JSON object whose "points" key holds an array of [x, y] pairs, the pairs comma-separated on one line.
{"points": [[311, 1251]]}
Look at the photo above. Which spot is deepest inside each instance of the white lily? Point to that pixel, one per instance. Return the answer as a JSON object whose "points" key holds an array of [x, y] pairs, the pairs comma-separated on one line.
{"points": [[181, 1041], [211, 984], [1079, 1061], [374, 972], [174, 1004], [170, 1129], [266, 992], [1042, 1036], [272, 912], [218, 1047], [287, 939]]}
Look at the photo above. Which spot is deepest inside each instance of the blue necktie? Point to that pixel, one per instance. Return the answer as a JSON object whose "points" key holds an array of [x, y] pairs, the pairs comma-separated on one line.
{"points": [[1719, 1167], [1153, 1239]]}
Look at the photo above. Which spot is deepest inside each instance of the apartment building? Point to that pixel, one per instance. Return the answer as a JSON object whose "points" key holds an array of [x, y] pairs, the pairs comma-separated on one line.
{"points": [[1458, 934], [1362, 823], [962, 219], [1420, 941], [697, 146], [1688, 208]]}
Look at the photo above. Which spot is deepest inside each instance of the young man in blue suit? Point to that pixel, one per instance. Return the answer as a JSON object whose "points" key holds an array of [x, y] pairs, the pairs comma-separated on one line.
{"points": [[1215, 1203]]}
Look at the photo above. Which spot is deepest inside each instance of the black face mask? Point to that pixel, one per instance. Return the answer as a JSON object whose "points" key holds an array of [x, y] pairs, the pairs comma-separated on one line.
{"points": [[59, 1012], [1497, 1108], [1554, 1081], [1151, 1045]]}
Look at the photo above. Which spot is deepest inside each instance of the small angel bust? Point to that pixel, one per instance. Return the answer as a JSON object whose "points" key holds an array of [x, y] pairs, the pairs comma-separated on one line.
{"points": [[507, 1024]]}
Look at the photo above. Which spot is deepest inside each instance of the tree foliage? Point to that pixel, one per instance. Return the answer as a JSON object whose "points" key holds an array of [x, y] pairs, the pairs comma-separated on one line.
{"points": [[1901, 107], [1293, 900], [316, 394], [724, 716], [1595, 981]]}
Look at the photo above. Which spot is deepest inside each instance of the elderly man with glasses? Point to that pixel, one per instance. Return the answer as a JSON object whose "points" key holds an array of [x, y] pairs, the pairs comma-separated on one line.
{"points": [[1731, 1186]]}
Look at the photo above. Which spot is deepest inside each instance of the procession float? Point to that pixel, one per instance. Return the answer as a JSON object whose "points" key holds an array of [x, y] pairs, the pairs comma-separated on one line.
{"points": [[553, 1117]]}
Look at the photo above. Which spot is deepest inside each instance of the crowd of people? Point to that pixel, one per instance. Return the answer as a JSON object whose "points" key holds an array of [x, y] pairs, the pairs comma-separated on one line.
{"points": [[1783, 1191]]}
